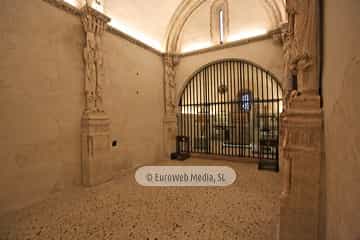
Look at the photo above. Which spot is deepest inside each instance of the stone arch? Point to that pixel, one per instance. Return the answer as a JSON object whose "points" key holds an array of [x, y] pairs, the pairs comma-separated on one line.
{"points": [[186, 83], [187, 7]]}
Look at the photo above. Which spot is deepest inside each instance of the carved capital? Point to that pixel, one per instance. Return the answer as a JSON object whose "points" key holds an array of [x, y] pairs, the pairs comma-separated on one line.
{"points": [[93, 20]]}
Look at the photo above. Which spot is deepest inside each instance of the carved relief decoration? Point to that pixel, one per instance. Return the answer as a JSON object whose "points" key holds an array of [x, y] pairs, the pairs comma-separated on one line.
{"points": [[94, 24], [301, 45], [170, 62], [64, 6]]}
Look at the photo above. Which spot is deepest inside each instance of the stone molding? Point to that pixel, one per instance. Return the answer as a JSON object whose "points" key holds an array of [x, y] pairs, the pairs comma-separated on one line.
{"points": [[61, 4], [302, 133], [229, 45], [177, 22], [95, 124], [138, 43], [77, 12], [272, 8]]}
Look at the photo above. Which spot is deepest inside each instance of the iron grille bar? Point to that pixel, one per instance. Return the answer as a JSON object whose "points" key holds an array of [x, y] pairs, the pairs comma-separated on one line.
{"points": [[232, 108]]}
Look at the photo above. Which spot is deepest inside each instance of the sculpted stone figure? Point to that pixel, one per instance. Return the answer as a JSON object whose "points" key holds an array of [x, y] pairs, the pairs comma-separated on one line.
{"points": [[95, 125], [99, 62], [289, 66], [94, 25], [303, 46], [170, 126], [90, 73], [170, 84], [301, 123]]}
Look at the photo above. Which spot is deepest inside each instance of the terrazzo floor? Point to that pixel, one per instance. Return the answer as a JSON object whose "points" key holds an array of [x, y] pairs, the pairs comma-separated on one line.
{"points": [[122, 210]]}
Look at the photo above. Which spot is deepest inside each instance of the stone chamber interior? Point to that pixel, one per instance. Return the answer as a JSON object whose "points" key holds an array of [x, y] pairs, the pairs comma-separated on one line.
{"points": [[253, 85]]}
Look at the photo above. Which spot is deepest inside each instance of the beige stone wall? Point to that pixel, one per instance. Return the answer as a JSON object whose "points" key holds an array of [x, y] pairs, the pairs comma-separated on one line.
{"points": [[341, 87], [41, 101], [265, 53], [41, 71], [133, 101]]}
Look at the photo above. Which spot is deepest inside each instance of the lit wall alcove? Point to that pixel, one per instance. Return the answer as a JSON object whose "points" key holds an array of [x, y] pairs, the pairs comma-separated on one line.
{"points": [[231, 107]]}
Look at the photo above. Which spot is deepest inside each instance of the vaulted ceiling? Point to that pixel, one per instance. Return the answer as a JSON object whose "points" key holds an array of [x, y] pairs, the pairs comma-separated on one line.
{"points": [[184, 25]]}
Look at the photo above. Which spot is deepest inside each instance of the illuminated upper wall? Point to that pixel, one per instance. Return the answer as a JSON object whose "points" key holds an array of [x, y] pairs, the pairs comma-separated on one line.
{"points": [[149, 21], [247, 18]]}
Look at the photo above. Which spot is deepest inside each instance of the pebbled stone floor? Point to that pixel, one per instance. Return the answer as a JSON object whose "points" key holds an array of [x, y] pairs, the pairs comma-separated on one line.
{"points": [[121, 210]]}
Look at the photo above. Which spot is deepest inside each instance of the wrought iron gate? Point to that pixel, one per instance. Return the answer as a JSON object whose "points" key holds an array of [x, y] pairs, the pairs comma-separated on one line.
{"points": [[231, 108]]}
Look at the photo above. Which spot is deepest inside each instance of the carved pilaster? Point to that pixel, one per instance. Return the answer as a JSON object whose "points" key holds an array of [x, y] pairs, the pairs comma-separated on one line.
{"points": [[95, 135], [301, 124], [94, 24], [170, 62], [170, 126]]}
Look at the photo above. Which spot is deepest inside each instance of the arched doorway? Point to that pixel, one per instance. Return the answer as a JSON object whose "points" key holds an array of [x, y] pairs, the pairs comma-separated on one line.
{"points": [[231, 108]]}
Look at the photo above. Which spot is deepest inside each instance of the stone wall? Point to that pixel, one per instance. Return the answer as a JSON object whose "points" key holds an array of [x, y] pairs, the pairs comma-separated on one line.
{"points": [[134, 101], [42, 101], [341, 87]]}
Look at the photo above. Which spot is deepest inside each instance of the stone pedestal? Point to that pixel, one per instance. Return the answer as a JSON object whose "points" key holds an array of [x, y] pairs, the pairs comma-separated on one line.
{"points": [[96, 153], [170, 132], [300, 166]]}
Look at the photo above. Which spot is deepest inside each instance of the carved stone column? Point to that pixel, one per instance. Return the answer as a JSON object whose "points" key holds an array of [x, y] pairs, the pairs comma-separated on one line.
{"points": [[170, 121], [301, 125], [300, 166], [95, 133]]}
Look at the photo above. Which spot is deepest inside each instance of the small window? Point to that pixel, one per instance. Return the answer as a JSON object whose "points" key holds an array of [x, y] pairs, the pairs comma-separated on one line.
{"points": [[246, 102], [219, 24]]}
